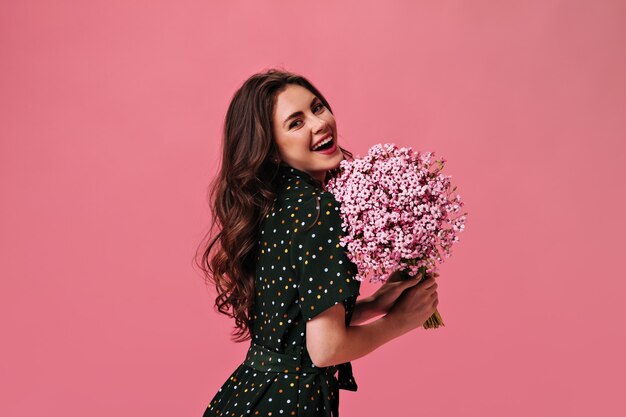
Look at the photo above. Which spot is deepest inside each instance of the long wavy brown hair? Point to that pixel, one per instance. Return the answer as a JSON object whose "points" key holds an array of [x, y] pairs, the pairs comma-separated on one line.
{"points": [[243, 192]]}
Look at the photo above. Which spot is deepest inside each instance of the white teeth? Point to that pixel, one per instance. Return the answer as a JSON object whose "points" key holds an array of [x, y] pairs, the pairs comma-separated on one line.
{"points": [[322, 142]]}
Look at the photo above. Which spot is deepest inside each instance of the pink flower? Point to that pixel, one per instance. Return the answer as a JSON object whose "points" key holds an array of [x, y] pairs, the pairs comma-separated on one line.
{"points": [[396, 211]]}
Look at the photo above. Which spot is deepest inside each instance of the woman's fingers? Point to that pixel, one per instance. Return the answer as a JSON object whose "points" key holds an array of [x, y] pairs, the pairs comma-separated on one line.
{"points": [[429, 282], [413, 280]]}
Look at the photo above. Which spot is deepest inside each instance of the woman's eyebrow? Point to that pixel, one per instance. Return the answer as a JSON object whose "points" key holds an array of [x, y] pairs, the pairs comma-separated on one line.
{"points": [[298, 113]]}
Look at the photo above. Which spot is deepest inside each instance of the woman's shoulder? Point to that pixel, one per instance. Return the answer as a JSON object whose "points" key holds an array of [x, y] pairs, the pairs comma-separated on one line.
{"points": [[304, 211], [311, 199], [328, 199], [318, 213]]}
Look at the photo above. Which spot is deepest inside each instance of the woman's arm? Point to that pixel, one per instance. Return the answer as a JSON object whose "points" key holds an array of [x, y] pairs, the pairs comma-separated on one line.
{"points": [[383, 299], [365, 309], [330, 342]]}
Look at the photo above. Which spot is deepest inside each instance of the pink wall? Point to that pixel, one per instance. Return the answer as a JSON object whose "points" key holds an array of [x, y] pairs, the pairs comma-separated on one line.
{"points": [[110, 117]]}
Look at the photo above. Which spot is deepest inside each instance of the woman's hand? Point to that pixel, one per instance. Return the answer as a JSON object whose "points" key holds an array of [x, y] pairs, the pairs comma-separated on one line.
{"points": [[386, 296], [415, 305]]}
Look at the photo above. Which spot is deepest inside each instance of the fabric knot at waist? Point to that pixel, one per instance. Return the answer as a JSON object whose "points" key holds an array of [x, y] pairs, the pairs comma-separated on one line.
{"points": [[297, 360]]}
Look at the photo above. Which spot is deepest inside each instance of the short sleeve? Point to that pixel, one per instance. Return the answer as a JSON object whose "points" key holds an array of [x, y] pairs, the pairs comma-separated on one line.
{"points": [[326, 275]]}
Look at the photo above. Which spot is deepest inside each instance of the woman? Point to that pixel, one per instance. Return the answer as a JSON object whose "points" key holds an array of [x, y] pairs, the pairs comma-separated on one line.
{"points": [[278, 267]]}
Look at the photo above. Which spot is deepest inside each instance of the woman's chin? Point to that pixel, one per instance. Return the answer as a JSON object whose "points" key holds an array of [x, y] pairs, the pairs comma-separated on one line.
{"points": [[340, 158], [328, 161]]}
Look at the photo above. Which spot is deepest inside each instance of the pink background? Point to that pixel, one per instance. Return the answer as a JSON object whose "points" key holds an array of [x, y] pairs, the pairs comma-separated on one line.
{"points": [[110, 121]]}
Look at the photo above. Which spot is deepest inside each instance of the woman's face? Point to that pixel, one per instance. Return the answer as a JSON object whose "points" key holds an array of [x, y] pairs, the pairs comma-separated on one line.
{"points": [[301, 121]]}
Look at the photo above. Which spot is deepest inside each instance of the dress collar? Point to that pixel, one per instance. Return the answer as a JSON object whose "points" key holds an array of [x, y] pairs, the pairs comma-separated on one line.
{"points": [[289, 174]]}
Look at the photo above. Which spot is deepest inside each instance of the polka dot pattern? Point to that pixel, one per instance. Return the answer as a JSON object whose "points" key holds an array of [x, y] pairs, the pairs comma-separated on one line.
{"points": [[301, 270], [326, 274]]}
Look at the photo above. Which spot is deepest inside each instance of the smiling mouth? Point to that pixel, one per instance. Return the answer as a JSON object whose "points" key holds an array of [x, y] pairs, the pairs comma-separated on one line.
{"points": [[325, 146]]}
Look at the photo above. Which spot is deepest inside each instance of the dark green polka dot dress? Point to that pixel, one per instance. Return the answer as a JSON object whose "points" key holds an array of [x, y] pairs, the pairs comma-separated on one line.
{"points": [[301, 271]]}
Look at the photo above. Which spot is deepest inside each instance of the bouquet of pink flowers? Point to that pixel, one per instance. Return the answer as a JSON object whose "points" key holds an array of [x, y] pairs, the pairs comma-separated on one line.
{"points": [[396, 213]]}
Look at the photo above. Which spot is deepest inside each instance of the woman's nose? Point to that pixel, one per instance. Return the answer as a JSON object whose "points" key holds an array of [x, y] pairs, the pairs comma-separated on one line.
{"points": [[321, 125]]}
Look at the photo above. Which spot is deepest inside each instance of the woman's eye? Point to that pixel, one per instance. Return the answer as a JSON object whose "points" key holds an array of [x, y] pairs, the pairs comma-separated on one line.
{"points": [[293, 124]]}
